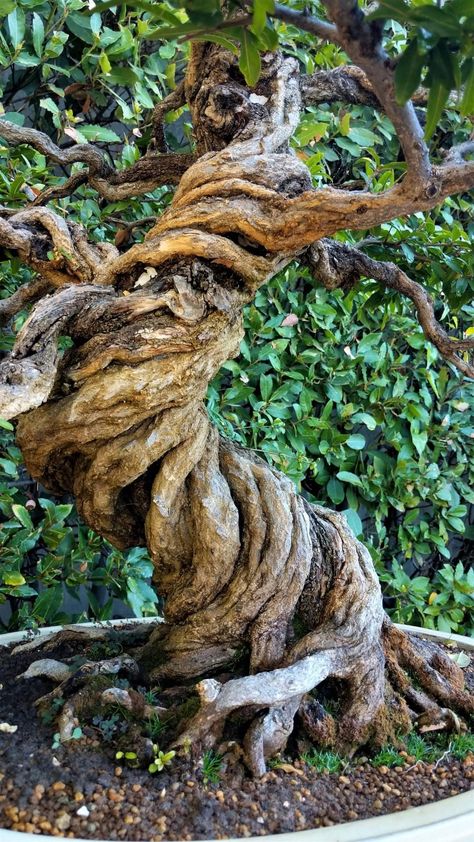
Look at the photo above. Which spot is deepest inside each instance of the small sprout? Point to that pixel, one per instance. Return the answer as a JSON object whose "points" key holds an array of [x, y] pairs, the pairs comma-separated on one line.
{"points": [[211, 767], [186, 745], [323, 760], [161, 759], [154, 727], [76, 735], [462, 745], [387, 756], [417, 747], [151, 696], [130, 757]]}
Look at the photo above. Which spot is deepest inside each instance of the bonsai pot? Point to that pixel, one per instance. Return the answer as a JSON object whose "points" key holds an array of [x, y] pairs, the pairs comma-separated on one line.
{"points": [[451, 819]]}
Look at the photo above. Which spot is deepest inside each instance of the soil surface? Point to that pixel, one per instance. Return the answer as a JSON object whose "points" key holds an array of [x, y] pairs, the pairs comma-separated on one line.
{"points": [[80, 790]]}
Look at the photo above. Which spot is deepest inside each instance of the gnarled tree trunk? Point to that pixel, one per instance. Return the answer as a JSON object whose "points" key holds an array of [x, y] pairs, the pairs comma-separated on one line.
{"points": [[119, 421]]}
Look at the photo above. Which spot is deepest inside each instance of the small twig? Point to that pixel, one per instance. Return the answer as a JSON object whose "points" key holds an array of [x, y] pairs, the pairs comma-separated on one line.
{"points": [[174, 100], [303, 20], [117, 220]]}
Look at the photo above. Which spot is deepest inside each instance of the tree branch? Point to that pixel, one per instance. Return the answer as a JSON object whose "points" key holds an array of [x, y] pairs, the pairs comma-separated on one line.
{"points": [[58, 250], [149, 172], [339, 265], [361, 41], [348, 84], [23, 296], [306, 22]]}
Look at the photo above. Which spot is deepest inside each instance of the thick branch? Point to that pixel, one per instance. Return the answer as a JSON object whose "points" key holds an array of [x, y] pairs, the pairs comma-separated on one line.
{"points": [[82, 152], [337, 264], [347, 84], [57, 249]]}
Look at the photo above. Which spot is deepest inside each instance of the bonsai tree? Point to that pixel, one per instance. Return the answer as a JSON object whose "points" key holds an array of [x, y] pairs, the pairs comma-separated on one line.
{"points": [[255, 578]]}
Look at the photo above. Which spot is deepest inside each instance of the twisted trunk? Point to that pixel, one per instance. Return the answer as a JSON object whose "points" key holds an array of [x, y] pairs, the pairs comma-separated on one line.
{"points": [[119, 421]]}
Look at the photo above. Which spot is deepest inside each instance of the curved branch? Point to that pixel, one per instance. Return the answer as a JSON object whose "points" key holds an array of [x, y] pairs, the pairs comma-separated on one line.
{"points": [[82, 152], [149, 172], [337, 264], [22, 297], [174, 100], [27, 377], [348, 84]]}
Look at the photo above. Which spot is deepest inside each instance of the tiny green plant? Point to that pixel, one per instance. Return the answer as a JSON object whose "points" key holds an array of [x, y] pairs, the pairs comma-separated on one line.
{"points": [[151, 696], [211, 767], [130, 758], [155, 727], [160, 759], [323, 760], [417, 747], [48, 715], [462, 745], [76, 735], [387, 756], [110, 726]]}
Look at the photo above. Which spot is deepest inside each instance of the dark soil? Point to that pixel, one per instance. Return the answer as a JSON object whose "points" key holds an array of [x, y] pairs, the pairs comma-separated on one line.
{"points": [[80, 790]]}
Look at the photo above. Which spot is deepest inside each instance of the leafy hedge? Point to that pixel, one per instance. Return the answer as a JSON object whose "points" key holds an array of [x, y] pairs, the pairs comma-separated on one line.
{"points": [[341, 391]]}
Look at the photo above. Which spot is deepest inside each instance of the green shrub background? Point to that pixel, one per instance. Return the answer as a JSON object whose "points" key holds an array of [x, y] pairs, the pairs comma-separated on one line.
{"points": [[349, 400]]}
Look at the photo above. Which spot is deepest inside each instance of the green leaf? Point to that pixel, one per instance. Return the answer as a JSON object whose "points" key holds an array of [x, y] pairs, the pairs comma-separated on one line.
{"points": [[363, 137], [104, 63], [348, 476], [408, 72], [13, 578], [6, 6], [48, 603], [437, 98], [356, 441], [354, 521], [249, 61], [102, 133], [16, 26], [49, 105], [8, 467], [38, 34], [260, 10], [266, 386], [391, 9], [23, 516], [6, 425], [217, 38], [443, 65], [335, 490], [420, 440]]}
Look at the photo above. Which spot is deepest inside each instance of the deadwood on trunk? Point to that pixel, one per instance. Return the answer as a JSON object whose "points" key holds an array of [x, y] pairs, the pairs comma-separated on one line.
{"points": [[119, 419]]}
